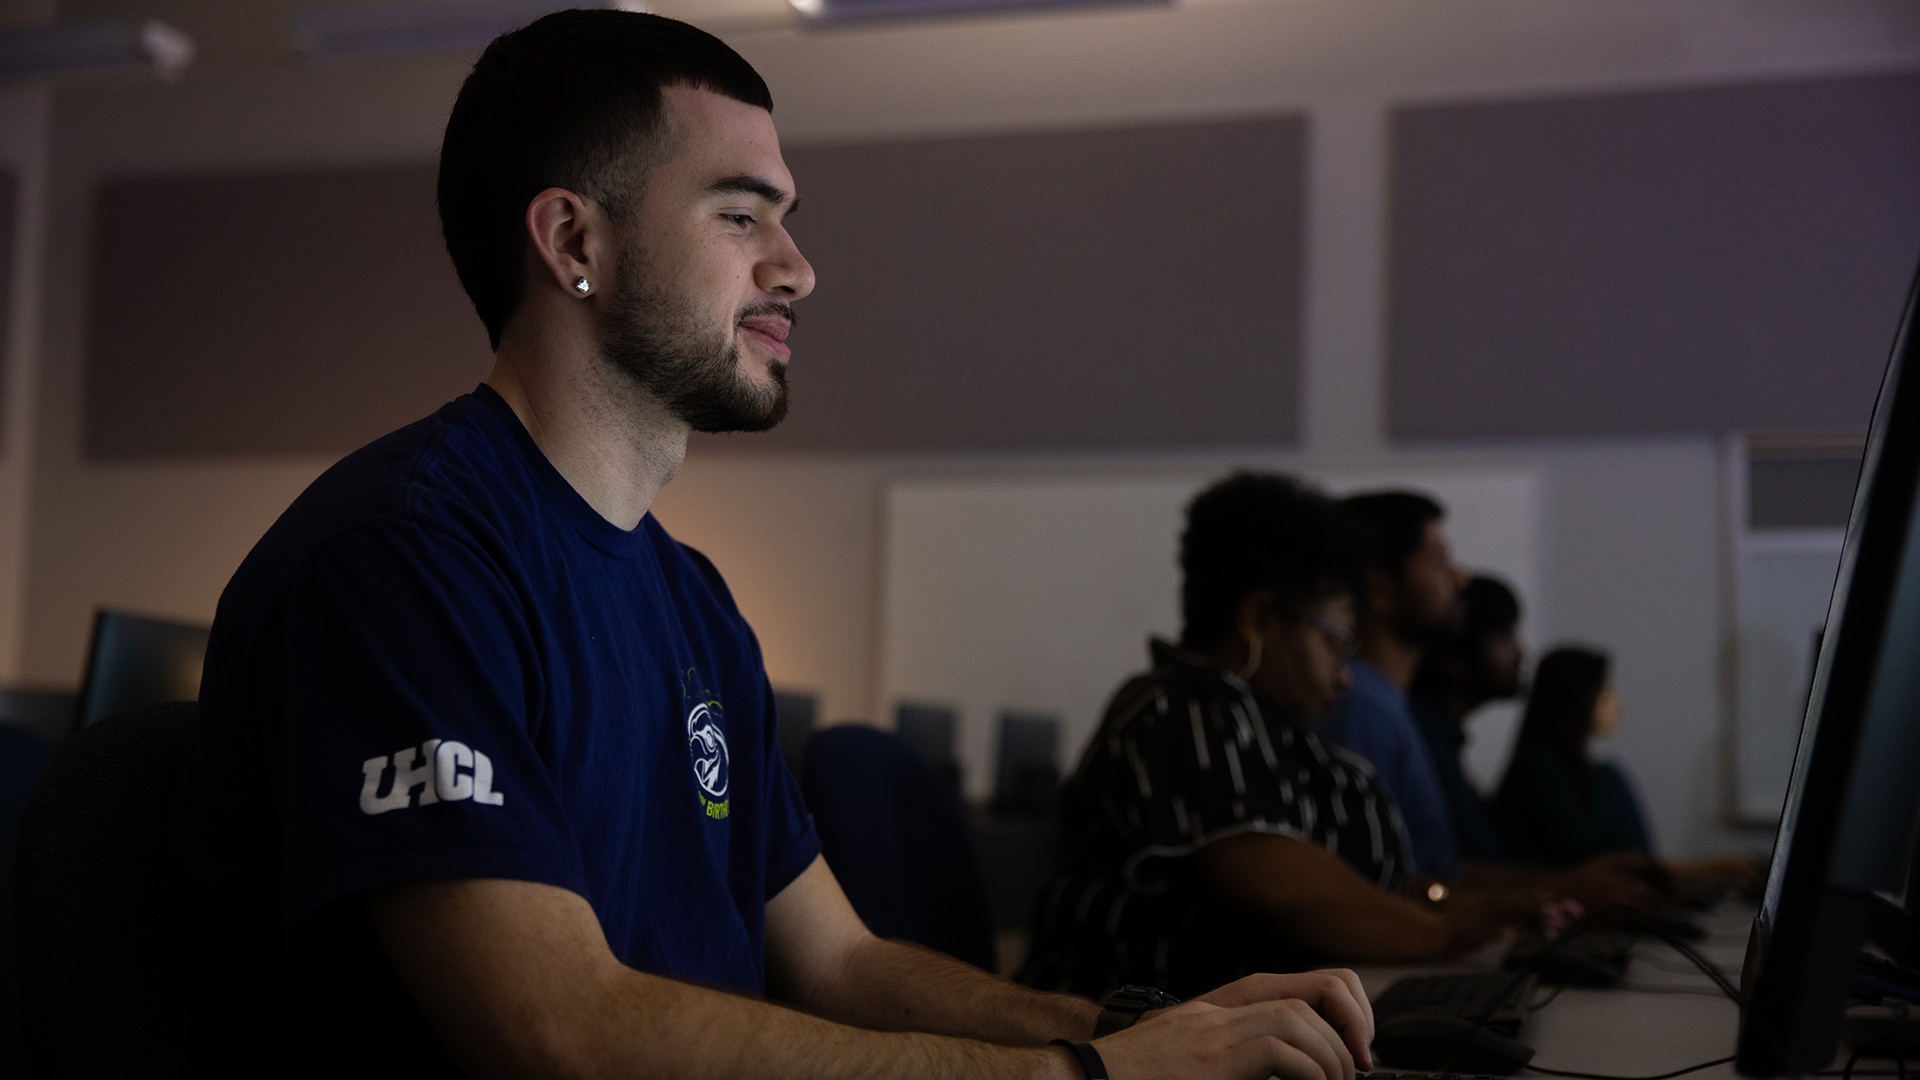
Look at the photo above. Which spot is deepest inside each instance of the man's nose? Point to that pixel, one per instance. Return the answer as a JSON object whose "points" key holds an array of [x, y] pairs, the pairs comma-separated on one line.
{"points": [[785, 272]]}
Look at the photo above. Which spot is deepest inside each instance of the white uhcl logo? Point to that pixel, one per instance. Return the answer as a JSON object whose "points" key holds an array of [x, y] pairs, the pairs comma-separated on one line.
{"points": [[437, 775]]}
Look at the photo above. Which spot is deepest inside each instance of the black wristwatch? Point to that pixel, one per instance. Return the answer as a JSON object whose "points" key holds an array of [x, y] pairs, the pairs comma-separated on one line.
{"points": [[1124, 1007]]}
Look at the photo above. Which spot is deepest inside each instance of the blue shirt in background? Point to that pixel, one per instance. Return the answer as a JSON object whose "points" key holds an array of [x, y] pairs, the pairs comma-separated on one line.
{"points": [[1373, 719], [441, 662], [1473, 833]]}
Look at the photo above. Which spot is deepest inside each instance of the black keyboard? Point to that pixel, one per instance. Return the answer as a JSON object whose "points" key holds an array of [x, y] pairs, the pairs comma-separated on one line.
{"points": [[1496, 1000], [1460, 1023], [1593, 958]]}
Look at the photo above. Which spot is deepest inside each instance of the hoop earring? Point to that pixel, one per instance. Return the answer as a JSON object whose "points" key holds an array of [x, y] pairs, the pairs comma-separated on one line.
{"points": [[582, 286], [1253, 658]]}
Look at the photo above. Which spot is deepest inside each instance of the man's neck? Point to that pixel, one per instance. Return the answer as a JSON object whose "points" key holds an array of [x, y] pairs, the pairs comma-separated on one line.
{"points": [[613, 441], [1390, 654]]}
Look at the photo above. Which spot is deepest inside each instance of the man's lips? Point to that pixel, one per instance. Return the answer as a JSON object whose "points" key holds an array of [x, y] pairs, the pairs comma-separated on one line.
{"points": [[771, 332]]}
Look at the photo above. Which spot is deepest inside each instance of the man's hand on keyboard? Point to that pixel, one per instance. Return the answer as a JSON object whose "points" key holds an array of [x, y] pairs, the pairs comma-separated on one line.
{"points": [[1312, 1026]]}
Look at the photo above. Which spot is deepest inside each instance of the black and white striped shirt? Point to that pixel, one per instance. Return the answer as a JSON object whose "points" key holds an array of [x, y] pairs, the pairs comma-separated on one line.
{"points": [[1186, 756]]}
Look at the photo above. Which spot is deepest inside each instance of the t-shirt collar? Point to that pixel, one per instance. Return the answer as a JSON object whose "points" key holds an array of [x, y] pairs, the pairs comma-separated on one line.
{"points": [[559, 492]]}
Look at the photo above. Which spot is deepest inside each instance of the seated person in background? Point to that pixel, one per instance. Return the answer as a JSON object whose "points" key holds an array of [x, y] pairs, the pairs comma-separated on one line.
{"points": [[1207, 830], [1409, 598], [485, 780], [1479, 662], [1557, 806]]}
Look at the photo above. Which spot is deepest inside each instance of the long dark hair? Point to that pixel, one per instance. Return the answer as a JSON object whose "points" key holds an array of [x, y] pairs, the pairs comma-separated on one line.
{"points": [[1559, 716]]}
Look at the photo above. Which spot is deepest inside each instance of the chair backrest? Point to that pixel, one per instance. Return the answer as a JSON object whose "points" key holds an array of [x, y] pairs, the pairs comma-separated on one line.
{"points": [[1026, 778], [103, 912], [897, 840], [930, 730], [795, 714], [139, 661]]}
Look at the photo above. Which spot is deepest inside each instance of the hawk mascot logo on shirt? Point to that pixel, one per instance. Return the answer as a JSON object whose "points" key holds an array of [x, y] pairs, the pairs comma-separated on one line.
{"points": [[707, 746]]}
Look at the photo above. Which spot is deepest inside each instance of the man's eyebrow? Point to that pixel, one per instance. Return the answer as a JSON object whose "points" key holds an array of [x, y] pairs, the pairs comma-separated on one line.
{"points": [[752, 185]]}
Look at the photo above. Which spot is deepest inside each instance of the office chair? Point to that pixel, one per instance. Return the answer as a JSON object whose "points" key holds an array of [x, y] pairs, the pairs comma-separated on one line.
{"points": [[930, 730], [103, 909], [135, 660], [1026, 778], [794, 713], [897, 841]]}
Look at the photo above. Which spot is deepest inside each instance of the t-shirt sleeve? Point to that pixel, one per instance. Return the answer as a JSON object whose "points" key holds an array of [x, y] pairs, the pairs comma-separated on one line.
{"points": [[792, 843], [1189, 769], [410, 691]]}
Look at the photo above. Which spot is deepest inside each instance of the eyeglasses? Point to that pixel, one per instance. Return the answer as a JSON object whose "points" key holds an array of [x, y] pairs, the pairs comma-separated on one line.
{"points": [[1345, 644]]}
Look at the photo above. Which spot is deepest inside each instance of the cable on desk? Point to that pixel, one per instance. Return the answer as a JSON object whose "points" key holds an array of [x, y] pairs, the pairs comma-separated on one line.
{"points": [[1866, 1050], [1705, 965], [1606, 1076]]}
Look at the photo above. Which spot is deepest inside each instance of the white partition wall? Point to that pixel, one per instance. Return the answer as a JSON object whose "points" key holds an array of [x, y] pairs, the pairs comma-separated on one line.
{"points": [[1039, 594]]}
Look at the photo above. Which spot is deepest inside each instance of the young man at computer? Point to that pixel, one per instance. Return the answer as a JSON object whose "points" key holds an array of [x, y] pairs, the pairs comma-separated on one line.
{"points": [[486, 779]]}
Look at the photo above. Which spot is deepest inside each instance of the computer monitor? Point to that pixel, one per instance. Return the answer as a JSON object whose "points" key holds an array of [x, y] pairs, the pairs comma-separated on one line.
{"points": [[1847, 829], [137, 661]]}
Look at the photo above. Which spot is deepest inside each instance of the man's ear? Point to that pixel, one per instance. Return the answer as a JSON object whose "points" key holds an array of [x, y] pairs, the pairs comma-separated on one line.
{"points": [[1255, 610], [569, 237]]}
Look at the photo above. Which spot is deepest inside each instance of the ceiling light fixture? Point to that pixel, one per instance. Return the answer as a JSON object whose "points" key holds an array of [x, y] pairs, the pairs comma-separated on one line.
{"points": [[414, 29], [91, 48]]}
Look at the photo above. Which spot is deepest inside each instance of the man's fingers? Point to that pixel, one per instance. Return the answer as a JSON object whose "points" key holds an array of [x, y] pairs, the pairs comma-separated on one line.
{"points": [[1276, 1057], [1353, 1019], [1296, 1023], [1336, 993]]}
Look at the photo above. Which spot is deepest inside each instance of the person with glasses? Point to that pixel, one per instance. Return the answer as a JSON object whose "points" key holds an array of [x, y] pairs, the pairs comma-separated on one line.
{"points": [[1207, 830]]}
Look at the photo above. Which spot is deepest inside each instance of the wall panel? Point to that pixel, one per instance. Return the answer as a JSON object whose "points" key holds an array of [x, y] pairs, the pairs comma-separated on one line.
{"points": [[1126, 288], [271, 313], [1652, 262]]}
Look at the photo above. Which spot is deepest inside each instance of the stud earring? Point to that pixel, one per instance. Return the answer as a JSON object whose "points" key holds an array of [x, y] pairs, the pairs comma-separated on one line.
{"points": [[582, 286]]}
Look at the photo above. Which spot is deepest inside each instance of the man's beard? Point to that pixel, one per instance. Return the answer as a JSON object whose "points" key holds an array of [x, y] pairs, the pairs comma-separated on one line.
{"points": [[658, 340]]}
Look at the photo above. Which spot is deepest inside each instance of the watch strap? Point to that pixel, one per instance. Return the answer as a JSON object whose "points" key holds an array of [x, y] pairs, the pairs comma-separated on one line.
{"points": [[1087, 1056], [1124, 1007]]}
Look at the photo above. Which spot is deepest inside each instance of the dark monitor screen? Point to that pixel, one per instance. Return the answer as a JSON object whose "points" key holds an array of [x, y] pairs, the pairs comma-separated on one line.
{"points": [[1847, 828], [137, 661]]}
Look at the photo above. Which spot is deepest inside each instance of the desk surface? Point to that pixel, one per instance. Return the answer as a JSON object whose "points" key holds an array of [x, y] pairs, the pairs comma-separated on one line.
{"points": [[1666, 1016]]}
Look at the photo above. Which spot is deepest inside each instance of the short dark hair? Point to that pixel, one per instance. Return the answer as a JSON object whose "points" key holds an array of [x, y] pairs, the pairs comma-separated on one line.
{"points": [[573, 101], [1393, 524], [1259, 530], [1487, 607]]}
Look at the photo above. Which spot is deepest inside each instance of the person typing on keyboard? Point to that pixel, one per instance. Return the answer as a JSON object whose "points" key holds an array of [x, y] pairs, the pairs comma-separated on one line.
{"points": [[1207, 831], [485, 780]]}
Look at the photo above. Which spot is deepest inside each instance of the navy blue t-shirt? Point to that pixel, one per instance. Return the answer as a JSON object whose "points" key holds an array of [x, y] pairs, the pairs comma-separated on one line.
{"points": [[441, 662]]}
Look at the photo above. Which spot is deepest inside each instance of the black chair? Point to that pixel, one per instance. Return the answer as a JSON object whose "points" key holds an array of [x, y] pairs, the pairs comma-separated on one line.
{"points": [[102, 908], [1026, 777], [897, 841]]}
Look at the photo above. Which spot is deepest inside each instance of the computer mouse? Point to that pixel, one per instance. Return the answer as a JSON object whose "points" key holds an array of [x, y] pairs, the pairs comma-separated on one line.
{"points": [[1449, 1042]]}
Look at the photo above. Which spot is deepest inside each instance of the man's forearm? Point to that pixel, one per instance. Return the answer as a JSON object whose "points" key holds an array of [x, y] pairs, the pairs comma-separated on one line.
{"points": [[894, 986], [517, 979]]}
